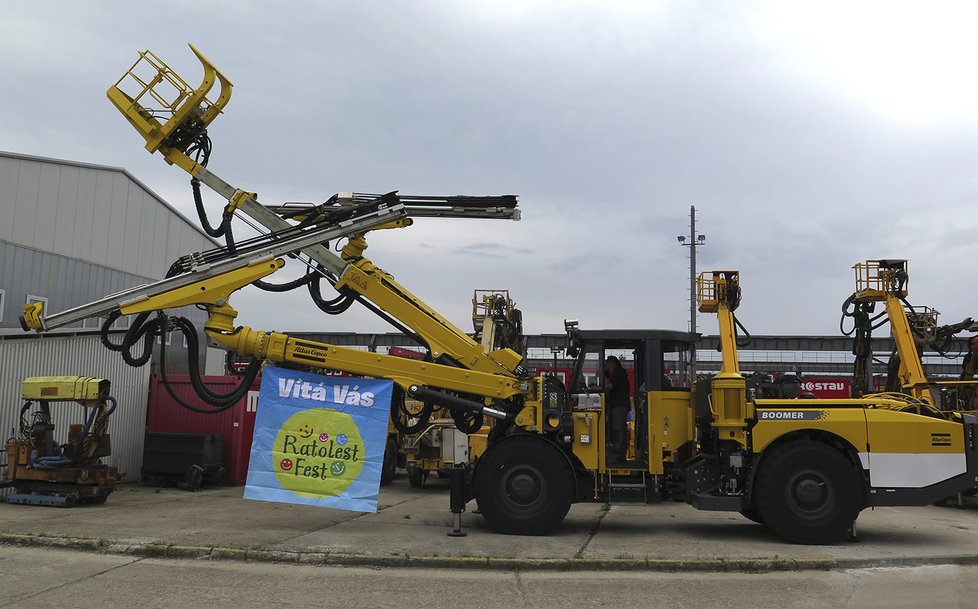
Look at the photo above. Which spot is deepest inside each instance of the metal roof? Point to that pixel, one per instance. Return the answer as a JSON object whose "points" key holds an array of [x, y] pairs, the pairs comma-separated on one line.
{"points": [[122, 170]]}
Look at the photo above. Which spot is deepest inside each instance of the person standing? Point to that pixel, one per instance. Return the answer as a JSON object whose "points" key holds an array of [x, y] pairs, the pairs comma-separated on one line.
{"points": [[617, 393]]}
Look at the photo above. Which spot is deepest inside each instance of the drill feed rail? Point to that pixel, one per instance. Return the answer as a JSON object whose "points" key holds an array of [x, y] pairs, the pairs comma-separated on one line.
{"points": [[276, 248]]}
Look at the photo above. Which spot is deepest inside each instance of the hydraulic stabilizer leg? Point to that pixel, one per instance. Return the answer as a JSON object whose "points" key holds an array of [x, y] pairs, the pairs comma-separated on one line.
{"points": [[456, 481]]}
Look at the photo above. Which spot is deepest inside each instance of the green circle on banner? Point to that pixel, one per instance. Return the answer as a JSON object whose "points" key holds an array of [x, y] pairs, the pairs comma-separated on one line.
{"points": [[318, 452]]}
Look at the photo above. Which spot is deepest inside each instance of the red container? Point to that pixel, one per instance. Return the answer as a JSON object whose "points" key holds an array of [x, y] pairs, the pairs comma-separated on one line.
{"points": [[236, 424]]}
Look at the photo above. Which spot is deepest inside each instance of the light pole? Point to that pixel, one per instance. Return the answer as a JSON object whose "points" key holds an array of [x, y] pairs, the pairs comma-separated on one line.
{"points": [[694, 242]]}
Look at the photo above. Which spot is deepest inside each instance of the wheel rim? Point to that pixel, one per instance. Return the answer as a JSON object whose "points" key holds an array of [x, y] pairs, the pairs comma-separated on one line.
{"points": [[524, 488], [810, 494]]}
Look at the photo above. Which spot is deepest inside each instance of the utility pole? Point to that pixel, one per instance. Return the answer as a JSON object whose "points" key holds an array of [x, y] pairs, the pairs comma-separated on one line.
{"points": [[695, 241]]}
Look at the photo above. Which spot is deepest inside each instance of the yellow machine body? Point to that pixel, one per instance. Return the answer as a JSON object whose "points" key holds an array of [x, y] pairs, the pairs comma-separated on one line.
{"points": [[44, 471], [85, 390]]}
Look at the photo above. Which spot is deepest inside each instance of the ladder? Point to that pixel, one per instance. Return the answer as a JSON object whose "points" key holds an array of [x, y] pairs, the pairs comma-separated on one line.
{"points": [[628, 488]]}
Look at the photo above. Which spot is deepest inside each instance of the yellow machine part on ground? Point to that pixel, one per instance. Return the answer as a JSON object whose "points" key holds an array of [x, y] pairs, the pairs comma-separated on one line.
{"points": [[61, 388]]}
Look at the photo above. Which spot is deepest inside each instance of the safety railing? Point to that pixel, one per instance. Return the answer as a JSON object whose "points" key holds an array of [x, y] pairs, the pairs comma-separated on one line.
{"points": [[923, 320], [484, 303], [711, 290], [165, 109], [877, 279], [706, 293]]}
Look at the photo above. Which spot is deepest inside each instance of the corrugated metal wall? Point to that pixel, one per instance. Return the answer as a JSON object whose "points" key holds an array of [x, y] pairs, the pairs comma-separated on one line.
{"points": [[65, 282], [72, 233], [82, 356]]}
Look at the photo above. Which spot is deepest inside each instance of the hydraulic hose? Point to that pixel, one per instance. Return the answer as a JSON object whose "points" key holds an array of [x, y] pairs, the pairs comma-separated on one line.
{"points": [[219, 402], [223, 228], [141, 329], [146, 330], [335, 306]]}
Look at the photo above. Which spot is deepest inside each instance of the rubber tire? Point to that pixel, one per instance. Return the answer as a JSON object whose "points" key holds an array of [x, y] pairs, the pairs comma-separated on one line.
{"points": [[543, 473], [752, 515], [417, 477], [389, 468], [836, 479]]}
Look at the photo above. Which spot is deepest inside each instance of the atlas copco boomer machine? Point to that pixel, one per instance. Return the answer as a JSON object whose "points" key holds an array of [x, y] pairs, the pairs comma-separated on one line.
{"points": [[912, 329], [805, 468]]}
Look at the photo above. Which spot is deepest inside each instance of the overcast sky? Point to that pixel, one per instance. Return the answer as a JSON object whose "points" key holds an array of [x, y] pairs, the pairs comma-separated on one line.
{"points": [[809, 136]]}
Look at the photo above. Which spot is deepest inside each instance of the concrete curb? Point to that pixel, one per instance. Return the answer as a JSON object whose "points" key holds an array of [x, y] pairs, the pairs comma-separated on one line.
{"points": [[150, 550]]}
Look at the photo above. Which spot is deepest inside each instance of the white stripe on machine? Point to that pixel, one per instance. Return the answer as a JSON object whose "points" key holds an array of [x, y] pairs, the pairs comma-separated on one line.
{"points": [[912, 470]]}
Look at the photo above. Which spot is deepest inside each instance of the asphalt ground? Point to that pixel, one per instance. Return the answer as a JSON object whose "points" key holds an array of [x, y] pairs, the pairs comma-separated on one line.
{"points": [[410, 529], [46, 577]]}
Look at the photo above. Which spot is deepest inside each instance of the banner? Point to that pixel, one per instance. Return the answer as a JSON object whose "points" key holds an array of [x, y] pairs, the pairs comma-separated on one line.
{"points": [[319, 440]]}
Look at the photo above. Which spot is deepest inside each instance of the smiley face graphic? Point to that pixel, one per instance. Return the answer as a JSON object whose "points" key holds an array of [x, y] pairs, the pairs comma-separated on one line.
{"points": [[315, 469], [324, 437]]}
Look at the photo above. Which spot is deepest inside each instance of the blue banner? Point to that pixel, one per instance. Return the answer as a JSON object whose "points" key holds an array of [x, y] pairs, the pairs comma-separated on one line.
{"points": [[319, 440]]}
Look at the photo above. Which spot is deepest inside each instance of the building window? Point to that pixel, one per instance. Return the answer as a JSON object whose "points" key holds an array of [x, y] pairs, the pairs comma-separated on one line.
{"points": [[3, 294], [92, 322], [169, 341]]}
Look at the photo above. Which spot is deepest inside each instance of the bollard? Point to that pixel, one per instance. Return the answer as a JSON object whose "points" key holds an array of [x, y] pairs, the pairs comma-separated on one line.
{"points": [[456, 484]]}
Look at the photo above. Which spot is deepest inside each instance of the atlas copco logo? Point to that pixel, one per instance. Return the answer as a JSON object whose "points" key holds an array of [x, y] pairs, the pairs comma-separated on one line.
{"points": [[824, 386]]}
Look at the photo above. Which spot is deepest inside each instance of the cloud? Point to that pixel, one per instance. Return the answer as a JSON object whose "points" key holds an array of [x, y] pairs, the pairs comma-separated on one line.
{"points": [[494, 250]]}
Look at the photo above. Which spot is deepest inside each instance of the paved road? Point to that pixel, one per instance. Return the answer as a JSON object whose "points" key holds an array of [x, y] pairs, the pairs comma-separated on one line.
{"points": [[412, 523], [35, 577]]}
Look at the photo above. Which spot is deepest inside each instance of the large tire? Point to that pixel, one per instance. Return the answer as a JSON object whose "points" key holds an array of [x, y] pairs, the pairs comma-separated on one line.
{"points": [[809, 492], [523, 486], [417, 477], [752, 515], [389, 468]]}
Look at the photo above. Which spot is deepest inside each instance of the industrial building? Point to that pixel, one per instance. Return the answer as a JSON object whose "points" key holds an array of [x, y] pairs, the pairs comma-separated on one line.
{"points": [[70, 233]]}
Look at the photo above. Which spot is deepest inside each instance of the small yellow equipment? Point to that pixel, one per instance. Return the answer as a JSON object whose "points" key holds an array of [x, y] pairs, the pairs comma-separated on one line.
{"points": [[46, 472]]}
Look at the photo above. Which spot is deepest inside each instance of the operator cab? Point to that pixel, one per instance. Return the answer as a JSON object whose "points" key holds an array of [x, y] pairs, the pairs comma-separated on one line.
{"points": [[654, 361]]}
